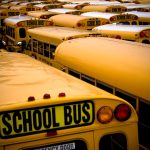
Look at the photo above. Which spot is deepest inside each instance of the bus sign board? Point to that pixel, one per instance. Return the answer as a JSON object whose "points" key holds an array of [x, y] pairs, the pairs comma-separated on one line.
{"points": [[45, 118], [35, 22]]}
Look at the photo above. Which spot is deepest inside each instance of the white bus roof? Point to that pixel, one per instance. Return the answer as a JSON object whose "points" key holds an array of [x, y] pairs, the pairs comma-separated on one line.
{"points": [[122, 64], [23, 76], [98, 14], [62, 10], [120, 27], [15, 19], [139, 14]]}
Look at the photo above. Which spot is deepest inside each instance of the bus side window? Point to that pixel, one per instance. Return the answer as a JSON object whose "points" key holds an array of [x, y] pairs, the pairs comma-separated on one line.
{"points": [[52, 51], [29, 45], [22, 32], [35, 45], [104, 86], [74, 73], [46, 50], [40, 47], [88, 79]]}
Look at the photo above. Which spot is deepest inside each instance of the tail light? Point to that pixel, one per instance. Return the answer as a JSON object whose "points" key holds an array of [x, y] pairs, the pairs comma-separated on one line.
{"points": [[118, 37], [122, 112], [20, 24], [49, 23], [79, 24], [142, 34], [112, 19], [105, 114], [135, 18]]}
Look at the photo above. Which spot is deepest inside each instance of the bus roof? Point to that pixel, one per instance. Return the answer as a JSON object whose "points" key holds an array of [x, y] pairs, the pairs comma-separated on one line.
{"points": [[97, 14], [121, 27], [58, 34], [122, 64], [23, 76], [100, 7], [15, 19], [62, 10], [139, 14], [69, 18], [17, 7], [39, 13]]}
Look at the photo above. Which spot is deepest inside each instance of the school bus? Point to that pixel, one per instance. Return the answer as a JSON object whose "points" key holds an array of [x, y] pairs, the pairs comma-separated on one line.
{"points": [[104, 8], [18, 8], [77, 6], [42, 107], [107, 17], [117, 66], [65, 11], [41, 14], [143, 17], [139, 7], [16, 27], [142, 1], [136, 33], [75, 21], [28, 5], [47, 6], [44, 40], [101, 2]]}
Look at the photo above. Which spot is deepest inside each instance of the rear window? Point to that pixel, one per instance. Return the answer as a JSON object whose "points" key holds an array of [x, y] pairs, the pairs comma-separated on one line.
{"points": [[22, 32]]}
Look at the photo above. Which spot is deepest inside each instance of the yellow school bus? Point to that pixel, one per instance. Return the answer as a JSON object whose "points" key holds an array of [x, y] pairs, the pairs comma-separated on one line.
{"points": [[41, 14], [44, 40], [16, 27], [65, 11], [136, 33], [47, 6], [117, 66], [18, 8], [75, 21], [104, 8], [77, 6], [107, 17], [28, 5], [139, 7], [142, 1], [143, 17], [42, 107]]}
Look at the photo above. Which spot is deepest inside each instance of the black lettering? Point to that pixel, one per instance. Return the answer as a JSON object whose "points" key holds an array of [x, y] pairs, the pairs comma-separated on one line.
{"points": [[37, 122], [27, 121], [85, 108], [67, 115], [46, 118], [77, 113], [16, 126], [5, 119], [55, 124]]}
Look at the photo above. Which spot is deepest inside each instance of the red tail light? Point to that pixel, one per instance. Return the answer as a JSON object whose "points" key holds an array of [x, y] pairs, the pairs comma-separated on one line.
{"points": [[79, 24], [142, 34], [122, 112]]}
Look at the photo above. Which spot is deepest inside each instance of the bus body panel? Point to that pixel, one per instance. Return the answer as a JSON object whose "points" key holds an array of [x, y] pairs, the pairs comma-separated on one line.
{"points": [[111, 73]]}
